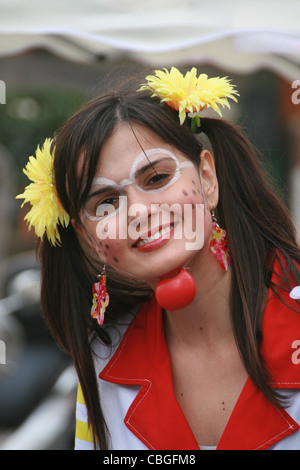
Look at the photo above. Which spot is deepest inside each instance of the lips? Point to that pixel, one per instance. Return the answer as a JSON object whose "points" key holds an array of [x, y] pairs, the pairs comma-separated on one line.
{"points": [[155, 239]]}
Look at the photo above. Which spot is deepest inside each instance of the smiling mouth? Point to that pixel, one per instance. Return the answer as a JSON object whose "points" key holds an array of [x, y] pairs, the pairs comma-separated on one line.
{"points": [[160, 235]]}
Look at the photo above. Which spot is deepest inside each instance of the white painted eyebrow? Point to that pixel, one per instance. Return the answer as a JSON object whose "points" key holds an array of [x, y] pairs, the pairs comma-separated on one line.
{"points": [[141, 156]]}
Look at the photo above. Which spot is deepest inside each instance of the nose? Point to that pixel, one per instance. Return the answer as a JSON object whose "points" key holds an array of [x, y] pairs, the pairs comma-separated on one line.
{"points": [[138, 204]]}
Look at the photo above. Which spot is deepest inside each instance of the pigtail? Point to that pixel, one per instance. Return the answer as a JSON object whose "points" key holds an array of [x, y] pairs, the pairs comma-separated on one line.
{"points": [[66, 282], [258, 226]]}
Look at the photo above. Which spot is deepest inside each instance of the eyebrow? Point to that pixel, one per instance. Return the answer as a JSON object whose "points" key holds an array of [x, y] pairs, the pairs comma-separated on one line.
{"points": [[137, 174], [150, 165], [99, 191]]}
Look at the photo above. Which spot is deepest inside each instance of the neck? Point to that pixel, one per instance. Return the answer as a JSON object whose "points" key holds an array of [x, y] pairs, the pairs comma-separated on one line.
{"points": [[208, 316]]}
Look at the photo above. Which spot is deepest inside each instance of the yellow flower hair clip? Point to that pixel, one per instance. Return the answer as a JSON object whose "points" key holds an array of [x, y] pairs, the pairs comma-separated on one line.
{"points": [[189, 93], [46, 211]]}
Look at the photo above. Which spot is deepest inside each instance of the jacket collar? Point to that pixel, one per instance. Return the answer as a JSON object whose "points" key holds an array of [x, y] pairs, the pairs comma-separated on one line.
{"points": [[281, 333], [155, 416]]}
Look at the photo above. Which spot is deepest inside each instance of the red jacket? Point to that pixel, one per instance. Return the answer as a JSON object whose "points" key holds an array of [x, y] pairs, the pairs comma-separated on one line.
{"points": [[136, 386]]}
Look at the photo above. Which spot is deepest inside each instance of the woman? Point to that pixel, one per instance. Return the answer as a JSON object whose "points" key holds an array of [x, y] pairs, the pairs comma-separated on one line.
{"points": [[193, 337]]}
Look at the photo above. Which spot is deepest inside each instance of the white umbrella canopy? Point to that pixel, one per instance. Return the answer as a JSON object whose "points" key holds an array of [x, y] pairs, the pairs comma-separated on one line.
{"points": [[239, 36]]}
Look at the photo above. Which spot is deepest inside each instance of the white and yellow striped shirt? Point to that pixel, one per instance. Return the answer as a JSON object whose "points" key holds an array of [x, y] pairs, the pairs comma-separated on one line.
{"points": [[83, 434]]}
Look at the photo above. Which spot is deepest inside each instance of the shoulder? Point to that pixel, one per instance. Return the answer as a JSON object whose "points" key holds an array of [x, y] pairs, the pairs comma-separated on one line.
{"points": [[281, 330], [102, 353]]}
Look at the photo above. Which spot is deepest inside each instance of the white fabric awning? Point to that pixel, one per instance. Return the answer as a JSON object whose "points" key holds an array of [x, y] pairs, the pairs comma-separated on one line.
{"points": [[238, 36]]}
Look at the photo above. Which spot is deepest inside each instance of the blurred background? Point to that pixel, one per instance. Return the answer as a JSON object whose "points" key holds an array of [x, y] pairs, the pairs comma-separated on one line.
{"points": [[54, 56]]}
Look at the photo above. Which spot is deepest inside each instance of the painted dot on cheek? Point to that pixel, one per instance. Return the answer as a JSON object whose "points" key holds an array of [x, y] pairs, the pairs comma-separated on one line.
{"points": [[116, 260], [107, 247], [185, 192]]}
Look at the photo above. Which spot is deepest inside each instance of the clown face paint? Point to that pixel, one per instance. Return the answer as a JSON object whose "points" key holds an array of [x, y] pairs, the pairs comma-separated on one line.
{"points": [[153, 171], [144, 204]]}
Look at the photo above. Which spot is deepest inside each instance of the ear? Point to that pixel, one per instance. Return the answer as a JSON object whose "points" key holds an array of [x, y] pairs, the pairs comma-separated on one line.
{"points": [[209, 179], [77, 227]]}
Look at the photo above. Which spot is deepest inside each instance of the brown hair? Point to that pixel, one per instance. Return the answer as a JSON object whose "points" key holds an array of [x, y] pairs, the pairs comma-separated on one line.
{"points": [[257, 223]]}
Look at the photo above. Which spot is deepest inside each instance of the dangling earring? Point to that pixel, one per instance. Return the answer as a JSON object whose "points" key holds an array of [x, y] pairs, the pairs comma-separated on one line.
{"points": [[100, 298], [219, 243]]}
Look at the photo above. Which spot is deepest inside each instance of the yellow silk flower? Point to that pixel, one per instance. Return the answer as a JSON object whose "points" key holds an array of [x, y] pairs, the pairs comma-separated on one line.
{"points": [[189, 93], [46, 211]]}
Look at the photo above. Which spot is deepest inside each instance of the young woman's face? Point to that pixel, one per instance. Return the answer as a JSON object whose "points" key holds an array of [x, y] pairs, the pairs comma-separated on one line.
{"points": [[146, 210]]}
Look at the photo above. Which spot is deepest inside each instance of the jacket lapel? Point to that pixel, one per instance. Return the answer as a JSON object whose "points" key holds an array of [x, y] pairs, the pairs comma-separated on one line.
{"points": [[155, 416], [255, 424], [142, 359]]}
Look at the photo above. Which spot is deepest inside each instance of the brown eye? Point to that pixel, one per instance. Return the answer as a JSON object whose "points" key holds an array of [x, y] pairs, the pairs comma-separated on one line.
{"points": [[100, 205], [158, 180], [106, 207], [155, 173]]}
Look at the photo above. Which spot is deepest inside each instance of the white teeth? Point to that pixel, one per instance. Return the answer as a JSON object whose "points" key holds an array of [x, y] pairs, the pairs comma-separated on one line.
{"points": [[155, 236], [164, 231]]}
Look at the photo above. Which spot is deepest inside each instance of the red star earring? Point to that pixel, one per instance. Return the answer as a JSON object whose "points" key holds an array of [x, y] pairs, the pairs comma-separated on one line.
{"points": [[100, 298], [219, 244]]}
